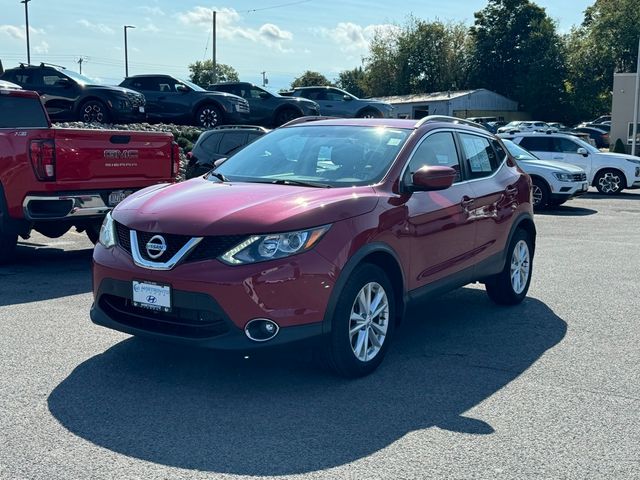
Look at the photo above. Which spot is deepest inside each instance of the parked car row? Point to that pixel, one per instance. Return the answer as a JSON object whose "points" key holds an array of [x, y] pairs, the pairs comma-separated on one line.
{"points": [[69, 96]]}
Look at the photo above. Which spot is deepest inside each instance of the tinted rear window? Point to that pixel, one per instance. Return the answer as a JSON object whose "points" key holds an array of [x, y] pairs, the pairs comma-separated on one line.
{"points": [[20, 112]]}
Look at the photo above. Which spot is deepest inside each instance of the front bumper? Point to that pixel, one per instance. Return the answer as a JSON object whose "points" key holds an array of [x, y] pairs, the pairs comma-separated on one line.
{"points": [[128, 116], [213, 302]]}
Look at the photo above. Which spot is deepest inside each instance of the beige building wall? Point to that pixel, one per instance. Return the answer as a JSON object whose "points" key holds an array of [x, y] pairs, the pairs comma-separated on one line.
{"points": [[622, 108]]}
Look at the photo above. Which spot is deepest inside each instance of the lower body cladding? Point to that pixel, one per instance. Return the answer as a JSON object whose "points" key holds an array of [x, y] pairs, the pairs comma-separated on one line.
{"points": [[213, 305]]}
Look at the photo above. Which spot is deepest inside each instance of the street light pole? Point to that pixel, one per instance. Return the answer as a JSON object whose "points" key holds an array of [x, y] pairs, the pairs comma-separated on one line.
{"points": [[126, 52], [26, 21], [214, 67]]}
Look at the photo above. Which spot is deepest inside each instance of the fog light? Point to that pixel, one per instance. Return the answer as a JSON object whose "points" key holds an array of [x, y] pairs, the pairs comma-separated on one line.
{"points": [[261, 329]]}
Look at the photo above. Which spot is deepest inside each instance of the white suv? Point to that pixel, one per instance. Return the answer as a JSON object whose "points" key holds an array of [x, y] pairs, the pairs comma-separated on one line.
{"points": [[528, 126], [553, 182], [610, 173]]}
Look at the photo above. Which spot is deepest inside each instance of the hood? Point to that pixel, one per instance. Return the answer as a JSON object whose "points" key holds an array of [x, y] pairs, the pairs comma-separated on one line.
{"points": [[201, 207], [110, 88], [216, 94], [620, 156], [305, 101], [548, 165]]}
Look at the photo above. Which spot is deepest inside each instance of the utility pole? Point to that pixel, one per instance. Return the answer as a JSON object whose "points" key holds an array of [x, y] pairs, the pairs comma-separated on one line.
{"points": [[126, 53], [81, 60], [26, 21], [265, 80], [634, 138], [214, 67]]}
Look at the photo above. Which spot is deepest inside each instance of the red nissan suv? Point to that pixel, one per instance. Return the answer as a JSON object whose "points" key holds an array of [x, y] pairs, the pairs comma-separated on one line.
{"points": [[320, 229]]}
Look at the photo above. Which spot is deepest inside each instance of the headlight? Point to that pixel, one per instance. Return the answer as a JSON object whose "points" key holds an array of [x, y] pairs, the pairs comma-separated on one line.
{"points": [[564, 177], [108, 232], [260, 248]]}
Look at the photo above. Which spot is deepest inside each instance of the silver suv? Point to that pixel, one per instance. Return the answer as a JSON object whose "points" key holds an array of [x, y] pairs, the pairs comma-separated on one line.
{"points": [[335, 102]]}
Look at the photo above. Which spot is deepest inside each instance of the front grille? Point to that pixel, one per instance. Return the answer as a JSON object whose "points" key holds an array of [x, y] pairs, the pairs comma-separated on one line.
{"points": [[136, 100], [579, 177], [181, 322], [208, 249]]}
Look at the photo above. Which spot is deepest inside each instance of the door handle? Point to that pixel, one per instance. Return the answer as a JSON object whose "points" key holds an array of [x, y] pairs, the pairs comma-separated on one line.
{"points": [[511, 191]]}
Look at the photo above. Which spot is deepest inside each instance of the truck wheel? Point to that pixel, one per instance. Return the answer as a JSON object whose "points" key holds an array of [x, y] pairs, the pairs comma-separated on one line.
{"points": [[510, 286], [8, 242], [610, 181], [285, 115], [370, 113], [208, 116], [94, 111], [363, 324], [539, 194]]}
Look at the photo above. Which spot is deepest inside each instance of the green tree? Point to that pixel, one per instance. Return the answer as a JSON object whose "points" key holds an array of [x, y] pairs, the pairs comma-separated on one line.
{"points": [[353, 81], [201, 73], [605, 43], [310, 79], [516, 51]]}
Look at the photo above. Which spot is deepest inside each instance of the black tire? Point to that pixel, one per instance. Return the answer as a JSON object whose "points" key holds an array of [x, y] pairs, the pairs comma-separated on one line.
{"points": [[8, 242], [93, 231], [369, 113], [540, 194], [94, 111], [337, 351], [610, 181], [208, 116], [500, 287], [285, 115]]}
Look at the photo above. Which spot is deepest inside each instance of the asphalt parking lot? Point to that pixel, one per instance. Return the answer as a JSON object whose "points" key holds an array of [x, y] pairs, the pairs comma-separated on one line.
{"points": [[547, 389]]}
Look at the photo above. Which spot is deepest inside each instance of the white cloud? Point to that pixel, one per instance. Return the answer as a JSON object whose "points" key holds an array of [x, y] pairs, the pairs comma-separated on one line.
{"points": [[18, 32], [41, 48], [153, 11], [149, 27], [100, 27], [228, 25], [352, 37]]}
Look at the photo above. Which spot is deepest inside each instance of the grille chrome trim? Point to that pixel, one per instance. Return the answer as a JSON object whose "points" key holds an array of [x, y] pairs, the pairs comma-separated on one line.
{"points": [[169, 264]]}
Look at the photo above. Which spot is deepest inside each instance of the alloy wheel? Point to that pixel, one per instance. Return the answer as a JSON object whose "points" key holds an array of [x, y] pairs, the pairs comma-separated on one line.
{"points": [[536, 193], [369, 321], [208, 117], [610, 183], [520, 267], [93, 113]]}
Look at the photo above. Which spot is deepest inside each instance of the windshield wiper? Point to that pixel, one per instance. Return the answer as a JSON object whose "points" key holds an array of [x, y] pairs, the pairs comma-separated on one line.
{"points": [[300, 183], [219, 176]]}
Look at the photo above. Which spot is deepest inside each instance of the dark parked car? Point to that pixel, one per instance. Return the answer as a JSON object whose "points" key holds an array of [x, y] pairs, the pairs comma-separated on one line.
{"points": [[339, 103], [8, 85], [268, 109], [173, 100], [599, 135], [69, 96], [221, 142], [322, 230]]}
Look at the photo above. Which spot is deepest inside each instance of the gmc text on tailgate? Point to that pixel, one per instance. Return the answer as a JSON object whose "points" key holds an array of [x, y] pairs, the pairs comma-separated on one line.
{"points": [[53, 179]]}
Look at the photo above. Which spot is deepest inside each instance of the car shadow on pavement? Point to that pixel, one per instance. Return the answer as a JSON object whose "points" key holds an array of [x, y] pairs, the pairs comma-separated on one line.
{"points": [[277, 414], [627, 195], [43, 273], [567, 211]]}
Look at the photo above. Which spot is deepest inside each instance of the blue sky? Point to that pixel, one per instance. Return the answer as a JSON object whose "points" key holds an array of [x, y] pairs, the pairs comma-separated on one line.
{"points": [[282, 37]]}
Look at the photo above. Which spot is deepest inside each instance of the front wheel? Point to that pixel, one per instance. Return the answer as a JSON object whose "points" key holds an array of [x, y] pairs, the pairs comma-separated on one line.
{"points": [[510, 286], [285, 115], [539, 194], [94, 111], [610, 182], [363, 323], [208, 116]]}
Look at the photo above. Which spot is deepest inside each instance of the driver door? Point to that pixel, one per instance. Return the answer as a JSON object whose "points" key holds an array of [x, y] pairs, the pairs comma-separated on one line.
{"points": [[58, 94]]}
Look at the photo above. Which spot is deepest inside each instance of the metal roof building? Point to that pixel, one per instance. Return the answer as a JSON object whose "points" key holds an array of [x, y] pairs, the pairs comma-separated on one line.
{"points": [[464, 104]]}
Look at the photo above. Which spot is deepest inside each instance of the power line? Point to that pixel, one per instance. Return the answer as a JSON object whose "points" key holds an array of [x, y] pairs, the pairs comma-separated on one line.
{"points": [[276, 6]]}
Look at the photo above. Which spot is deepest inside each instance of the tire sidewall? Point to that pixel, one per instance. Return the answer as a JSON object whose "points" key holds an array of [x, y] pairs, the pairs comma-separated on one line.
{"points": [[519, 235], [544, 201], [285, 115], [344, 360]]}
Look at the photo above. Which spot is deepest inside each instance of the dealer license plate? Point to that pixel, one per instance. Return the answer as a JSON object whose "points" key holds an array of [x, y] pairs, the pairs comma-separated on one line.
{"points": [[153, 296], [141, 109], [119, 195]]}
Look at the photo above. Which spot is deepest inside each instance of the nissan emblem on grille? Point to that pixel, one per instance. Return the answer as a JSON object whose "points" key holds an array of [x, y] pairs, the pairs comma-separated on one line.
{"points": [[156, 246]]}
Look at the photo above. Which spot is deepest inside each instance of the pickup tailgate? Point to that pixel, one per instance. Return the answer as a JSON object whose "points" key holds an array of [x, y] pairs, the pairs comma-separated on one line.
{"points": [[112, 155]]}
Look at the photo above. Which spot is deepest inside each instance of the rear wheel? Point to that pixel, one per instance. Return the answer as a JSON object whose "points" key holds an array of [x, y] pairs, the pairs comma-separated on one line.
{"points": [[363, 323], [539, 194], [94, 111], [610, 182], [208, 116], [510, 286], [370, 113]]}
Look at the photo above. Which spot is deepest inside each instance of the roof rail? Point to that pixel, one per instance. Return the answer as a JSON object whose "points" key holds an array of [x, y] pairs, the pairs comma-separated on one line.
{"points": [[43, 64], [445, 118], [241, 127], [310, 118]]}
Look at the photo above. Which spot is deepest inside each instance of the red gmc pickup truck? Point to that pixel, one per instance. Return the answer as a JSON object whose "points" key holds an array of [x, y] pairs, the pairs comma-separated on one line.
{"points": [[53, 179]]}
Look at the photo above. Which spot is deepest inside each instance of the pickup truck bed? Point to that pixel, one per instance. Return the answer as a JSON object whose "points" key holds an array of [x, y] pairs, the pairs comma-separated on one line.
{"points": [[53, 179]]}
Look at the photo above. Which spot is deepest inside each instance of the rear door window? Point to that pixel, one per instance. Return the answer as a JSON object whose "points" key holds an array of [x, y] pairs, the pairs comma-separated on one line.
{"points": [[537, 144], [231, 142], [479, 155], [21, 112]]}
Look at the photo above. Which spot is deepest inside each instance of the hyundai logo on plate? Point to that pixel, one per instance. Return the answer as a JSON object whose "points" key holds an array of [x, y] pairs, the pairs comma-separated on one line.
{"points": [[156, 246], [152, 299]]}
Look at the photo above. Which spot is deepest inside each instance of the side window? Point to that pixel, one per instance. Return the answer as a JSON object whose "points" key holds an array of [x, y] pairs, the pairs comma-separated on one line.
{"points": [[255, 93], [481, 159], [22, 77], [231, 141], [537, 144], [310, 93], [210, 144], [564, 145], [146, 84], [438, 149], [49, 79], [335, 96]]}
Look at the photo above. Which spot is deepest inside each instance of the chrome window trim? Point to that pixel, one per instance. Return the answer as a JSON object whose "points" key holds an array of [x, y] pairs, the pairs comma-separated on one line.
{"points": [[163, 266], [497, 170]]}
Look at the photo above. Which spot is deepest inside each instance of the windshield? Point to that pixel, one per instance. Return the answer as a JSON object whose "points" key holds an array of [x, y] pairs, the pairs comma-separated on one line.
{"points": [[192, 85], [336, 156], [590, 148], [80, 78], [518, 152]]}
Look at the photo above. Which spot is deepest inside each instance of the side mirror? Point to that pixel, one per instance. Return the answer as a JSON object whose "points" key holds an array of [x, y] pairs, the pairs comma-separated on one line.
{"points": [[430, 178], [182, 88], [264, 95], [347, 98], [219, 162], [582, 151]]}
